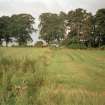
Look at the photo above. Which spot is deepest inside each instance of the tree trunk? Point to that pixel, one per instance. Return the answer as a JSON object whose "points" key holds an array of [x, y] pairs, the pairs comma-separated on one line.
{"points": [[6, 44]]}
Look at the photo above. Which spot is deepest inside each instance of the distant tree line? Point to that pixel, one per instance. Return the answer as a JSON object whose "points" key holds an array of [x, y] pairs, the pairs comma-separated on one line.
{"points": [[76, 29], [16, 28]]}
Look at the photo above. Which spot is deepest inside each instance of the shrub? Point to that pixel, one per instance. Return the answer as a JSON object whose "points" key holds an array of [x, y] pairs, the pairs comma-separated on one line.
{"points": [[77, 46], [39, 44], [102, 47]]}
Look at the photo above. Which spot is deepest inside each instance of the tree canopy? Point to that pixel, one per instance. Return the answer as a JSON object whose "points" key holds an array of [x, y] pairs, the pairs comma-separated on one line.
{"points": [[18, 27], [52, 26], [76, 26]]}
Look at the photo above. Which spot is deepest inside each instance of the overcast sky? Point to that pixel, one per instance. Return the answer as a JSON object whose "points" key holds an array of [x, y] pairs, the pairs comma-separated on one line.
{"points": [[36, 7]]}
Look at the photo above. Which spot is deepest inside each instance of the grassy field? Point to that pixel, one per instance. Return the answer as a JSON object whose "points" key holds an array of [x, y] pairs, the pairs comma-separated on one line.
{"points": [[36, 76]]}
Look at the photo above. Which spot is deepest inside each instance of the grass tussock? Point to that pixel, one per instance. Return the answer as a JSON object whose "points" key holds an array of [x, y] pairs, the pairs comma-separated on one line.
{"points": [[62, 96], [21, 80]]}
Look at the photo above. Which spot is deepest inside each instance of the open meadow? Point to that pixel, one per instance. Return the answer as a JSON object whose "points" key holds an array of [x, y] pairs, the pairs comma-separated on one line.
{"points": [[44, 76]]}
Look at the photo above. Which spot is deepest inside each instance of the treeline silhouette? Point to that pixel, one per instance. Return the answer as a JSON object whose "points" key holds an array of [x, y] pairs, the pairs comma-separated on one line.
{"points": [[75, 29]]}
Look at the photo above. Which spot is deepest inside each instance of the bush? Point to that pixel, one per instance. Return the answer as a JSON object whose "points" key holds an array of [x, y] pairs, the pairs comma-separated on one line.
{"points": [[77, 46], [39, 44], [102, 47]]}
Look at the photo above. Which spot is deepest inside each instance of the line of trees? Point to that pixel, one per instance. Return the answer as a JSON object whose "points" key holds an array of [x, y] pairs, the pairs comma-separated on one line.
{"points": [[16, 28], [78, 28]]}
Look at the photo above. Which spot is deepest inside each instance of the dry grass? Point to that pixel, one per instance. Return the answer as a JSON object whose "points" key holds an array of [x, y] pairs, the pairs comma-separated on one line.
{"points": [[36, 76]]}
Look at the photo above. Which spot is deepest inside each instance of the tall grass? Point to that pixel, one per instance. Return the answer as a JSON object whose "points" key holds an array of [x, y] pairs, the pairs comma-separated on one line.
{"points": [[21, 80], [54, 77]]}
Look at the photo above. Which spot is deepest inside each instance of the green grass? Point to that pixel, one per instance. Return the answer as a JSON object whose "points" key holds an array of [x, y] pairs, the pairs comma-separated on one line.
{"points": [[53, 76]]}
